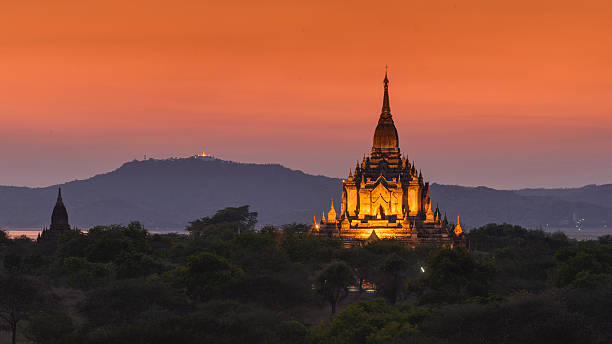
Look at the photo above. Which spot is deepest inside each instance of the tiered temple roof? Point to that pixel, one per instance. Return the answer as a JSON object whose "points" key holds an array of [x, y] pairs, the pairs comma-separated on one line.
{"points": [[386, 197], [59, 220]]}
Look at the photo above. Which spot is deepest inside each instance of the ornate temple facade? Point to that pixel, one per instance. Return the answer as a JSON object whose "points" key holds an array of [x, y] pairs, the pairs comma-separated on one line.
{"points": [[385, 197], [59, 221]]}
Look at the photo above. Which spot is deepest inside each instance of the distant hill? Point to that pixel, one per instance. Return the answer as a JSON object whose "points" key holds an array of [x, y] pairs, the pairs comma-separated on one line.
{"points": [[169, 193], [166, 194], [481, 205], [600, 195]]}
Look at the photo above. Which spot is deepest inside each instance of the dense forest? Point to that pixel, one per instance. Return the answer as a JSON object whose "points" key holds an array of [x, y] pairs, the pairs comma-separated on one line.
{"points": [[224, 282]]}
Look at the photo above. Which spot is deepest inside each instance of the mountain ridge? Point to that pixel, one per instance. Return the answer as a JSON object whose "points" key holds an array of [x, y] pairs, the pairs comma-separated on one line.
{"points": [[170, 192]]}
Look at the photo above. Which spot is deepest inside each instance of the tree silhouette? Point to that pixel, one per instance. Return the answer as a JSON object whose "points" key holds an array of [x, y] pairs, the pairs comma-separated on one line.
{"points": [[20, 296], [333, 282]]}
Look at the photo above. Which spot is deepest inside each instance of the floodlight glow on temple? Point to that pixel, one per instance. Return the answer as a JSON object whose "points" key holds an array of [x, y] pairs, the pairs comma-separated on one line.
{"points": [[386, 198]]}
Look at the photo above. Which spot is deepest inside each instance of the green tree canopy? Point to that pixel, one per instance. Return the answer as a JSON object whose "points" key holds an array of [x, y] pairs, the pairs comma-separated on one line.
{"points": [[582, 264], [20, 297], [332, 282], [395, 271], [224, 224], [369, 322], [363, 261], [52, 327], [127, 301], [454, 274], [204, 274]]}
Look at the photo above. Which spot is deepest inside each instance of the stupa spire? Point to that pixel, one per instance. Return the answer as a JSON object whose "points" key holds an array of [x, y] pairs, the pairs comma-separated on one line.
{"points": [[458, 230], [331, 215], [385, 135], [59, 217], [386, 108]]}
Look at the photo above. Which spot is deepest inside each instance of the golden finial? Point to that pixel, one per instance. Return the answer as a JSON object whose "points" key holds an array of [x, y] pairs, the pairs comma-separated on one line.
{"points": [[458, 230]]}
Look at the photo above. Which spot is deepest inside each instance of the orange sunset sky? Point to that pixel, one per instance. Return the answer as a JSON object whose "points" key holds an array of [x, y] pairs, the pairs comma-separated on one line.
{"points": [[505, 94]]}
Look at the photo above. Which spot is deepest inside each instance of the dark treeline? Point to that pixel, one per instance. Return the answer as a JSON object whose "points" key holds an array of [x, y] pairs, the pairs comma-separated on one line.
{"points": [[227, 283]]}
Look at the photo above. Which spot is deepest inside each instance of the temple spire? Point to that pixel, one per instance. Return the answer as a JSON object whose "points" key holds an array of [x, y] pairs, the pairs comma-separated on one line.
{"points": [[386, 108], [59, 217], [331, 215], [458, 230], [385, 135]]}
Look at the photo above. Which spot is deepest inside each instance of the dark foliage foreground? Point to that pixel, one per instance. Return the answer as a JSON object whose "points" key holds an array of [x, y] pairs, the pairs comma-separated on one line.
{"points": [[227, 283]]}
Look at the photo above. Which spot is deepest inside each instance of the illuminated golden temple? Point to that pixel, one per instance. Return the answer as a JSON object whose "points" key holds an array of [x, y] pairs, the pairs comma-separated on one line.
{"points": [[386, 198]]}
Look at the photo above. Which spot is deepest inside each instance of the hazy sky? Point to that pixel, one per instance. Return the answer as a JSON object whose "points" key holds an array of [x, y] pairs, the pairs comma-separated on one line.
{"points": [[498, 93]]}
